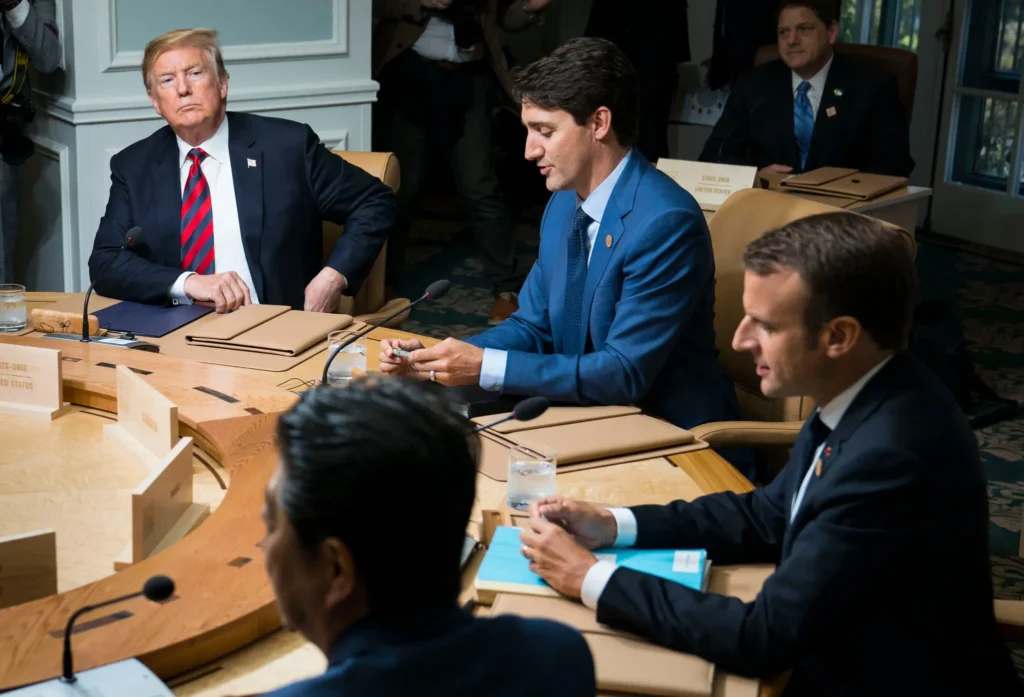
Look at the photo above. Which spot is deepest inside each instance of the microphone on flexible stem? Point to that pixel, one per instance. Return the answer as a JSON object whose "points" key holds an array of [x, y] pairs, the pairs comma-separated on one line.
{"points": [[526, 410], [157, 588], [130, 238], [436, 290]]}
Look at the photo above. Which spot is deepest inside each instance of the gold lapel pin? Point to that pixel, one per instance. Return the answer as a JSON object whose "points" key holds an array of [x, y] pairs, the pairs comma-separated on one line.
{"points": [[817, 468], [608, 241], [831, 111]]}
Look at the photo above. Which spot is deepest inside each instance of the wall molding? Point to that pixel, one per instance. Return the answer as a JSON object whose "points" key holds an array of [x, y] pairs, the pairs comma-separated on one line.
{"points": [[334, 139], [337, 45], [138, 108], [59, 153]]}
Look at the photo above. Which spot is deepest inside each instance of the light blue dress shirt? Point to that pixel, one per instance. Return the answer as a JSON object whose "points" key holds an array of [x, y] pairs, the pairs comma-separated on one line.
{"points": [[492, 370]]}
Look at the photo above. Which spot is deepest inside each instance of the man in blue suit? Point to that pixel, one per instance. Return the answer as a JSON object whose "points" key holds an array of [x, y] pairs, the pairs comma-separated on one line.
{"points": [[619, 307], [372, 590], [231, 204], [878, 524]]}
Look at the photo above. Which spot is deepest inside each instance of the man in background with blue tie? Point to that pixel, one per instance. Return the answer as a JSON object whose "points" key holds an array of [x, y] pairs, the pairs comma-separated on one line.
{"points": [[813, 107], [878, 525], [619, 308]]}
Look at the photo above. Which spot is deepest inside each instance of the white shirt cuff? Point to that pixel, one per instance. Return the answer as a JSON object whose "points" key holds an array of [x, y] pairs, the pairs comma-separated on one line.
{"points": [[595, 582], [177, 293], [18, 14], [492, 369], [625, 521]]}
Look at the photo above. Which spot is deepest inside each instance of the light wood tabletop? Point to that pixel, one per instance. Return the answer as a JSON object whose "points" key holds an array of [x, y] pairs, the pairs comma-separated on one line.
{"points": [[221, 632]]}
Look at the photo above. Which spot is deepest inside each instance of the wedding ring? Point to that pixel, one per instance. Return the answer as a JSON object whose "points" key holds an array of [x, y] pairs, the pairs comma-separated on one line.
{"points": [[433, 376]]}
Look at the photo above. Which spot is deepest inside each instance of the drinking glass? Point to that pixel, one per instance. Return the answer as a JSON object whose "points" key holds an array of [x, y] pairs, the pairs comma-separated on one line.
{"points": [[12, 307], [531, 474], [351, 357]]}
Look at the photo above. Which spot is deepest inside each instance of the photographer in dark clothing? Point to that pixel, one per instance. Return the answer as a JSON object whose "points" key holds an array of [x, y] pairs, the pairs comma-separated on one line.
{"points": [[30, 36]]}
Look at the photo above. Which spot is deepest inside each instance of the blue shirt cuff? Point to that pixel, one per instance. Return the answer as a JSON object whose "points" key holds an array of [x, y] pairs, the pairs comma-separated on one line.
{"points": [[492, 369]]}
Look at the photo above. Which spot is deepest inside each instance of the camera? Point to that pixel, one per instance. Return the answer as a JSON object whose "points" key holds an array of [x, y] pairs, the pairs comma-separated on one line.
{"points": [[15, 146]]}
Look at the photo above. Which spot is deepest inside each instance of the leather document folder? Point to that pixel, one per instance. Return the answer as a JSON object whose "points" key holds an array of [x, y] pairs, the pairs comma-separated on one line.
{"points": [[842, 183], [611, 437], [148, 320], [271, 329]]}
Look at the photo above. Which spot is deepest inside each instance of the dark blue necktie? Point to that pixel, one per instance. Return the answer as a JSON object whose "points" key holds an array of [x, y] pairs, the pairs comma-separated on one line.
{"points": [[575, 283], [803, 121], [817, 434]]}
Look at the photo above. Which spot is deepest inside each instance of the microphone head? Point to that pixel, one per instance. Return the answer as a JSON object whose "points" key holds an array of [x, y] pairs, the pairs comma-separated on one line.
{"points": [[437, 289], [158, 588], [132, 236], [530, 408]]}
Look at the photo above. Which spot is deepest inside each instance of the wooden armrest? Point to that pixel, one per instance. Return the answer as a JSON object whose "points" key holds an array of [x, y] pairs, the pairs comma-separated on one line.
{"points": [[725, 434], [1010, 619]]}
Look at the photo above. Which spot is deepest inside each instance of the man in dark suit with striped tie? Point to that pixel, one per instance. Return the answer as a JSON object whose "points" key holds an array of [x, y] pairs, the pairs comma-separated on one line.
{"points": [[813, 107], [231, 204]]}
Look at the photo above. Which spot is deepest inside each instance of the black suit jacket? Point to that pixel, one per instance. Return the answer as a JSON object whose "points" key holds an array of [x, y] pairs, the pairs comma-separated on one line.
{"points": [[883, 583], [452, 654], [295, 184], [868, 130]]}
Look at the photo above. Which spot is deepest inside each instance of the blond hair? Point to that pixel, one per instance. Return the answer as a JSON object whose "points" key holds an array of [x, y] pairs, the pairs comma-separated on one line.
{"points": [[203, 39]]}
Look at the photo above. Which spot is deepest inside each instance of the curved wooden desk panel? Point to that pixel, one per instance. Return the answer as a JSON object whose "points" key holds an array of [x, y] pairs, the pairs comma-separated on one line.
{"points": [[222, 601]]}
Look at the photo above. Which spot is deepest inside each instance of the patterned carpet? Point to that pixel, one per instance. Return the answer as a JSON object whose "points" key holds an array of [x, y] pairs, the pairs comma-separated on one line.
{"points": [[987, 294]]}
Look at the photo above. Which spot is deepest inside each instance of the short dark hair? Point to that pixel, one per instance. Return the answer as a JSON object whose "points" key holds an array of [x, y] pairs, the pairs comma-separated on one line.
{"points": [[827, 10], [580, 76], [853, 265], [361, 464]]}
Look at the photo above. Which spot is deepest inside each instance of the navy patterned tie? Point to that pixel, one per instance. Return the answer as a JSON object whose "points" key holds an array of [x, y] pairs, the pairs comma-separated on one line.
{"points": [[575, 284], [803, 121]]}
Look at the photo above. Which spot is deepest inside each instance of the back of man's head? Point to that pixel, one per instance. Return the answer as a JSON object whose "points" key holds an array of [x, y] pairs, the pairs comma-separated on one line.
{"points": [[852, 266], [580, 76], [362, 464]]}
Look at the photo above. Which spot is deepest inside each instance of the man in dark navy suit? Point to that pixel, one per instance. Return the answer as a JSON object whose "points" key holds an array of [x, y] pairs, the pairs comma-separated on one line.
{"points": [[813, 107], [231, 204], [878, 524], [371, 588]]}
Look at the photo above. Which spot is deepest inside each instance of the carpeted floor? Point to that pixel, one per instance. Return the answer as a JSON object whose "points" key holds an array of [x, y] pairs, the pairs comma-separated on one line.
{"points": [[987, 294]]}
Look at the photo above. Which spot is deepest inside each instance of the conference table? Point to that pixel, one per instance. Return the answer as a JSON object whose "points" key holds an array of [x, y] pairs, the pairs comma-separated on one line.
{"points": [[220, 633]]}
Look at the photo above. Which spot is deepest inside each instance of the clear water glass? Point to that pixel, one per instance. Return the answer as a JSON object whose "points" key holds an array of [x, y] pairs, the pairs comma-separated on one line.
{"points": [[351, 357], [12, 307], [531, 475]]}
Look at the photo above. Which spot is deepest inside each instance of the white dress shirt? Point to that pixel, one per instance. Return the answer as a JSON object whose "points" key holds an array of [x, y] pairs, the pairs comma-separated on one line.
{"points": [[492, 370], [437, 43], [817, 88], [229, 252], [831, 414]]}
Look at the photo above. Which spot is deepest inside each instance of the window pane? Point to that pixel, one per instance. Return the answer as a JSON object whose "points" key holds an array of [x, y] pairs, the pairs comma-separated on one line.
{"points": [[1007, 54], [848, 22], [995, 46], [908, 24], [985, 141]]}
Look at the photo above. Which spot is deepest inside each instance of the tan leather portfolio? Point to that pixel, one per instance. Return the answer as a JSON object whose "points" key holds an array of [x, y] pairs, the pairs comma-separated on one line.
{"points": [[606, 440], [842, 183], [272, 329], [558, 416]]}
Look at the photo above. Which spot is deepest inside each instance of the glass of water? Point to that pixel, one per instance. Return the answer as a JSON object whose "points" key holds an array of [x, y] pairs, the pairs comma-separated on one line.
{"points": [[351, 357], [531, 474], [12, 307]]}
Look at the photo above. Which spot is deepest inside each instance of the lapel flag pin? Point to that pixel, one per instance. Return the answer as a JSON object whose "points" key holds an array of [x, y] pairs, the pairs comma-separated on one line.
{"points": [[250, 162], [817, 468], [831, 111], [837, 92], [608, 241], [828, 451]]}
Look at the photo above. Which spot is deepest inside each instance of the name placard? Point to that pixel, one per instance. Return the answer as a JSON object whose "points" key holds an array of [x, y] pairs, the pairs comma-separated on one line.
{"points": [[30, 382], [147, 422], [709, 182]]}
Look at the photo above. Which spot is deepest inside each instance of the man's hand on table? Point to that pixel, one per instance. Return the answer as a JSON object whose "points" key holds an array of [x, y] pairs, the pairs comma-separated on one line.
{"points": [[559, 548], [454, 363], [227, 291]]}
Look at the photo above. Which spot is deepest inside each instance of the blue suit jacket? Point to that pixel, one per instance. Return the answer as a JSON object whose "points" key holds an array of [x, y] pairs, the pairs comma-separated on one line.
{"points": [[295, 184], [883, 583], [452, 654], [649, 308]]}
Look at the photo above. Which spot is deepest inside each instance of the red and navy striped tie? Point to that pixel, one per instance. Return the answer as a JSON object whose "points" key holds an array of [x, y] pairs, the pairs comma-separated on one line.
{"points": [[196, 219]]}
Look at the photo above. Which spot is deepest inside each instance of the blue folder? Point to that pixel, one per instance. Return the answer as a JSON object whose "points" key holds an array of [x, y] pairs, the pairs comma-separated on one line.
{"points": [[148, 320], [505, 569]]}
